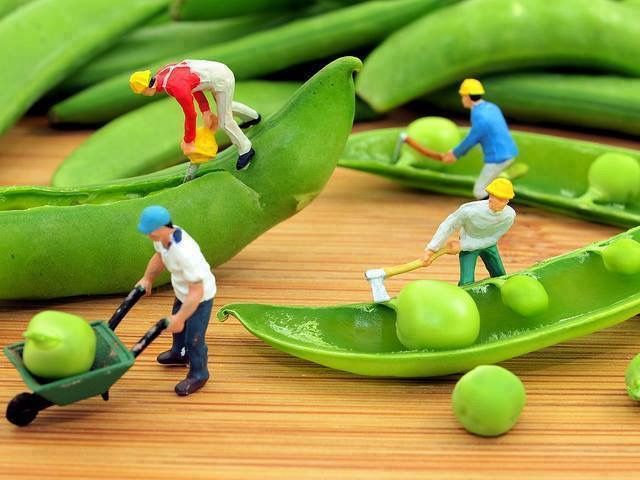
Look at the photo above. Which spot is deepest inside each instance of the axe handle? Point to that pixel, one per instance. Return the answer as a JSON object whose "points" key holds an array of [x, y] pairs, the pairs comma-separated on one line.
{"points": [[427, 152], [450, 249]]}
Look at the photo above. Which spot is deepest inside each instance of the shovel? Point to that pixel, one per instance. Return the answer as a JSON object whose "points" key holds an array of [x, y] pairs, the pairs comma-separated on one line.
{"points": [[405, 138]]}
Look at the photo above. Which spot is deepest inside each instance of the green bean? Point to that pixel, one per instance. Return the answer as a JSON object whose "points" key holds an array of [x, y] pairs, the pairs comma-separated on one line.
{"points": [[598, 101], [584, 297], [151, 43], [632, 378], [478, 37], [557, 179], [207, 10], [262, 53], [9, 6], [157, 145], [61, 242], [31, 66]]}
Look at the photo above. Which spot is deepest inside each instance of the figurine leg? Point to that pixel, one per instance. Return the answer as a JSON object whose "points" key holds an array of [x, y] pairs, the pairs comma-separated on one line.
{"points": [[489, 173], [247, 114], [467, 267], [224, 102], [491, 259], [178, 354], [195, 329]]}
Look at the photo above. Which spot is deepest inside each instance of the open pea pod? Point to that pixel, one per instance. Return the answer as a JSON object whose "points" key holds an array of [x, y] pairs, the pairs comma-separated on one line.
{"points": [[59, 242], [584, 296], [557, 179]]}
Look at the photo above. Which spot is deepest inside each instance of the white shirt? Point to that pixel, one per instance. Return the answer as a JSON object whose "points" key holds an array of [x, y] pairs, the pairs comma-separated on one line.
{"points": [[184, 260], [480, 227]]}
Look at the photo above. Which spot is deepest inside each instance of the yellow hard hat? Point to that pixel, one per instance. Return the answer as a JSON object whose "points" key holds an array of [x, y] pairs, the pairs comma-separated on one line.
{"points": [[471, 86], [138, 81], [501, 188], [206, 146]]}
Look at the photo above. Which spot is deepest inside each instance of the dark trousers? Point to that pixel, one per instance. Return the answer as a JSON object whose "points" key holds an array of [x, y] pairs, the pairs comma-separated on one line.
{"points": [[191, 342], [491, 259]]}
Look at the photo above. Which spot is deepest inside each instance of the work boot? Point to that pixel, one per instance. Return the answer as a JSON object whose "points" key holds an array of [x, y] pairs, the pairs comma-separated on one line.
{"points": [[245, 159], [190, 385], [171, 358], [251, 122]]}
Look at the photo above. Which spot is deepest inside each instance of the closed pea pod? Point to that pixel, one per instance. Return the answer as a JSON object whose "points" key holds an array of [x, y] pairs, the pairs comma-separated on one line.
{"points": [[31, 67], [61, 242], [478, 37], [583, 297], [563, 186], [262, 53], [205, 9]]}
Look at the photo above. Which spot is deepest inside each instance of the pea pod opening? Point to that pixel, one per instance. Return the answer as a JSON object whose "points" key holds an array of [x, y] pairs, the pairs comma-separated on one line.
{"points": [[557, 176], [60, 242], [583, 297]]}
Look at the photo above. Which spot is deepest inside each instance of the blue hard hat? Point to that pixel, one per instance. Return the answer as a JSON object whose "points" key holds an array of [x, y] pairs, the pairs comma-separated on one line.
{"points": [[152, 218]]}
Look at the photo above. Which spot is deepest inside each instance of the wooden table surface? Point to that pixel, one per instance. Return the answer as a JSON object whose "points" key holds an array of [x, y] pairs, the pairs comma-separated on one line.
{"points": [[266, 415]]}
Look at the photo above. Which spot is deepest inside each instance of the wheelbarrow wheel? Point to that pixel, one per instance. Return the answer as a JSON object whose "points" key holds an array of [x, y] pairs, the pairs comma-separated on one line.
{"points": [[24, 408]]}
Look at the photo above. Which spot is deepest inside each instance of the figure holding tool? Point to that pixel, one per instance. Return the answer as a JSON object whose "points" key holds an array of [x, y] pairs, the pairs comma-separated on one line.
{"points": [[194, 286], [188, 80]]}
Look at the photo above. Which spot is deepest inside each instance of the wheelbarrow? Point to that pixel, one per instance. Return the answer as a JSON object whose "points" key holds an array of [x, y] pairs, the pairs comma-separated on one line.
{"points": [[113, 359]]}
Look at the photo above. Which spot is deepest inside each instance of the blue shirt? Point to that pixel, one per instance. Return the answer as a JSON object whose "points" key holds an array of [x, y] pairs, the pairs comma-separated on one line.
{"points": [[490, 130]]}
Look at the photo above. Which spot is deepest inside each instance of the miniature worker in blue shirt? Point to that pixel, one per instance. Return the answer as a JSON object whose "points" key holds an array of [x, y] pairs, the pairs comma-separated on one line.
{"points": [[490, 130], [194, 286]]}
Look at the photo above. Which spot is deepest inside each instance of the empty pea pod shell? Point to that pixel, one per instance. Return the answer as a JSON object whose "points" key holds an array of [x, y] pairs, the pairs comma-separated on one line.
{"points": [[62, 242], [557, 178], [478, 37], [583, 297]]}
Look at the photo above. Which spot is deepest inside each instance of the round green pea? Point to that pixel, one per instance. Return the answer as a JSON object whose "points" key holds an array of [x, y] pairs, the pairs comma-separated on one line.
{"points": [[437, 133], [632, 378], [525, 295], [488, 400], [622, 256], [615, 177], [438, 315]]}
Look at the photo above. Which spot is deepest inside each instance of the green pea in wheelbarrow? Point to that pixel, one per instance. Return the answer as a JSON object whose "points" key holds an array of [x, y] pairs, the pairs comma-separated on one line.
{"points": [[113, 359]]}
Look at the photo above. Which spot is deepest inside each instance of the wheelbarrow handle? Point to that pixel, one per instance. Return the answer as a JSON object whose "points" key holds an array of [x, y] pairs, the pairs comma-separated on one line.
{"points": [[134, 295], [150, 336]]}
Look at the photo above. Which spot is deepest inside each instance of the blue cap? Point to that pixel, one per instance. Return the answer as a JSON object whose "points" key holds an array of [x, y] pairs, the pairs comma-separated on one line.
{"points": [[152, 218]]}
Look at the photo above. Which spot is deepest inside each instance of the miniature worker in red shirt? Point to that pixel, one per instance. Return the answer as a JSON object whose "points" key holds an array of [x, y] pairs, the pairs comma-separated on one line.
{"points": [[189, 79]]}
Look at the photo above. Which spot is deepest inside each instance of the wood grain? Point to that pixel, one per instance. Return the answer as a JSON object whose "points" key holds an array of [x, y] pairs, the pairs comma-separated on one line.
{"points": [[267, 415]]}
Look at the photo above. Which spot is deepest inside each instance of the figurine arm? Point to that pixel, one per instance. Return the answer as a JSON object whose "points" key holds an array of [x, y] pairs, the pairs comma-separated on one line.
{"points": [[154, 268], [186, 102], [452, 223], [471, 140], [203, 103], [189, 306]]}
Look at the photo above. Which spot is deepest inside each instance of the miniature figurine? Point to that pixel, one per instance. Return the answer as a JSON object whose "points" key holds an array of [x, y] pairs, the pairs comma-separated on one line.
{"points": [[189, 79], [481, 225], [194, 286], [490, 130]]}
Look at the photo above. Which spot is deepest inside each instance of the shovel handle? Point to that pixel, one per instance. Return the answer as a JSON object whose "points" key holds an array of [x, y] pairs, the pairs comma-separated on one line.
{"points": [[427, 152], [126, 305], [451, 248]]}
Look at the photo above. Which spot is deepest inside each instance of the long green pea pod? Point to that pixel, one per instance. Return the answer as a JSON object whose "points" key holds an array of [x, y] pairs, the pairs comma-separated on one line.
{"points": [[597, 101], [148, 44], [9, 6], [208, 10], [557, 178], [61, 242], [584, 297], [159, 128], [261, 53], [44, 40], [478, 37]]}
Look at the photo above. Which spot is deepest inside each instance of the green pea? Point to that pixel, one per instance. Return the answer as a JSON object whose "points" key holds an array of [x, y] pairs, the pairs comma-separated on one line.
{"points": [[434, 314], [613, 178], [488, 400], [363, 338], [622, 256], [437, 133], [265, 52], [565, 99], [70, 241], [30, 66], [525, 295], [504, 35], [549, 183], [632, 378]]}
